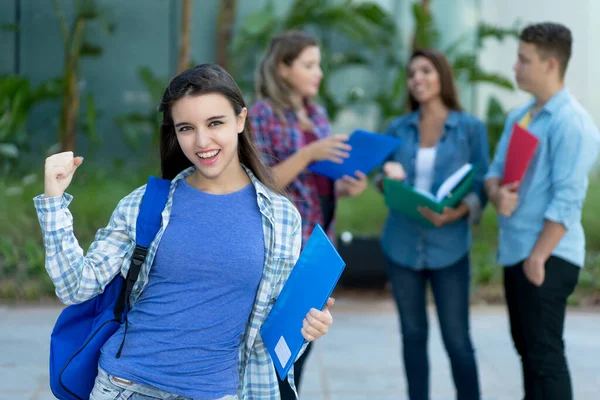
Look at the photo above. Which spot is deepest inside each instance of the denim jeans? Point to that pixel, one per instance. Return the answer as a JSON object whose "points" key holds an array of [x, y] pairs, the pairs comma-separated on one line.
{"points": [[108, 387], [537, 320], [450, 288]]}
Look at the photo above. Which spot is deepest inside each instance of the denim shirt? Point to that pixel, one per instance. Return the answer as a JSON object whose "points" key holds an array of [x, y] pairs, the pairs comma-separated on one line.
{"points": [[555, 184], [464, 140]]}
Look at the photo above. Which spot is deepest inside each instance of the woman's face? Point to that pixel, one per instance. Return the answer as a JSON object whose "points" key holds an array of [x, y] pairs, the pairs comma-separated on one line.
{"points": [[207, 130], [304, 74], [423, 80]]}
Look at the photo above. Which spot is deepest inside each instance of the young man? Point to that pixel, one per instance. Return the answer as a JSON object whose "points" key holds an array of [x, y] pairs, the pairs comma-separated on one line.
{"points": [[541, 240]]}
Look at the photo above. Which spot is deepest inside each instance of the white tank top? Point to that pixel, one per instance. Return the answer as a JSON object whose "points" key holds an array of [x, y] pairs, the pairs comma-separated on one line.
{"points": [[424, 168]]}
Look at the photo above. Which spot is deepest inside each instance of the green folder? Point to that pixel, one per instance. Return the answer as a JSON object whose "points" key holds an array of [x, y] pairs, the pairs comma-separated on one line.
{"points": [[405, 199]]}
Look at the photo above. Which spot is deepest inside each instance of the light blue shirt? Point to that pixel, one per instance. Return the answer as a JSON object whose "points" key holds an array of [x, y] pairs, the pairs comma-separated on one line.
{"points": [[464, 140], [555, 184]]}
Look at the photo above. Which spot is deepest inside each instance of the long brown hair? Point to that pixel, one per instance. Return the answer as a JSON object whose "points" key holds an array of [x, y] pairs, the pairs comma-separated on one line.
{"points": [[448, 91], [284, 48], [198, 80]]}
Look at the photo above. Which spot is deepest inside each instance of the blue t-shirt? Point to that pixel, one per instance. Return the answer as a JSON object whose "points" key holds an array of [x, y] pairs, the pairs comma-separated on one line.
{"points": [[186, 327]]}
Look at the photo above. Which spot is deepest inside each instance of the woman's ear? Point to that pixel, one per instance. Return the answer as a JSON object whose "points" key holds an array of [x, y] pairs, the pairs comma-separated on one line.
{"points": [[241, 120], [283, 70]]}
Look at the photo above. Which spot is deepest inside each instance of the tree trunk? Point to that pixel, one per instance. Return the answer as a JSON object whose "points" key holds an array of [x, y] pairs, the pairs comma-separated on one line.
{"points": [[70, 107], [183, 62], [225, 21]]}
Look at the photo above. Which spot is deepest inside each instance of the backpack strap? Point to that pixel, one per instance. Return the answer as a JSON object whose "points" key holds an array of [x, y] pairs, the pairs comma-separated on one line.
{"points": [[148, 224]]}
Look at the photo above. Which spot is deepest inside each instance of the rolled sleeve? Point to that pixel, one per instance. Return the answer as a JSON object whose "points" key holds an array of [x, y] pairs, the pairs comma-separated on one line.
{"points": [[573, 153], [53, 215], [45, 204], [78, 276], [475, 208]]}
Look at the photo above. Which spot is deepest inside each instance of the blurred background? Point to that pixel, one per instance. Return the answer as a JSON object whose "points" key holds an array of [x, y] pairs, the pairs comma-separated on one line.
{"points": [[86, 75]]}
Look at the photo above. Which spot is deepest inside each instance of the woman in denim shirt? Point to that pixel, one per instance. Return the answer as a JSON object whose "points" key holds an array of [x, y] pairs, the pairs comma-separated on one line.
{"points": [[438, 138]]}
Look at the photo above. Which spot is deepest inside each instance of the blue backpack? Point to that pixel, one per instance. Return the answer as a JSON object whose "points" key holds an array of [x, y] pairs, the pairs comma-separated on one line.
{"points": [[82, 329]]}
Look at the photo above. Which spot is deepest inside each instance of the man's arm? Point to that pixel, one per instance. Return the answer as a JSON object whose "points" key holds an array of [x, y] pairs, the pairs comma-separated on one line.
{"points": [[551, 235], [572, 154]]}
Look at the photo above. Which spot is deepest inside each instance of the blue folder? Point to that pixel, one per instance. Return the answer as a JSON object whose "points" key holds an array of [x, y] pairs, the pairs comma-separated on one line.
{"points": [[309, 285], [369, 150]]}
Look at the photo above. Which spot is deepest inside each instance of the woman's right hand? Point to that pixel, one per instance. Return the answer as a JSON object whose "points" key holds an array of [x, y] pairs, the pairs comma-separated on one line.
{"points": [[394, 170], [58, 173], [332, 148]]}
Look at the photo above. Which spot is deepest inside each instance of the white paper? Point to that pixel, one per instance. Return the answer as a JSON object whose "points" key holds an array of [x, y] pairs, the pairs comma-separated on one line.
{"points": [[283, 352], [452, 181], [424, 193]]}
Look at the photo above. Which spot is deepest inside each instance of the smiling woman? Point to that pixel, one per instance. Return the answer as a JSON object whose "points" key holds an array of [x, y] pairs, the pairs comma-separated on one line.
{"points": [[201, 119], [438, 139], [209, 140], [226, 247]]}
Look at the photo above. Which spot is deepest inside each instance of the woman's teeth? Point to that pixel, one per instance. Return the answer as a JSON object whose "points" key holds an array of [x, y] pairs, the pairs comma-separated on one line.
{"points": [[209, 154]]}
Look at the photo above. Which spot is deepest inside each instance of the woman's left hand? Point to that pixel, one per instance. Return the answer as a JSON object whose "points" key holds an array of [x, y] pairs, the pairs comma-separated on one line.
{"points": [[447, 216], [352, 186], [317, 323]]}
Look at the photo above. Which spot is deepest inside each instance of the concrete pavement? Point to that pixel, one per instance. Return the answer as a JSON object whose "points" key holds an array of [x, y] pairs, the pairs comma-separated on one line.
{"points": [[358, 360]]}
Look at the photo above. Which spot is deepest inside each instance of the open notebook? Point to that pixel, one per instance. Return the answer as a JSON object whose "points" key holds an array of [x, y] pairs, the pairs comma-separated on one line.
{"points": [[406, 199]]}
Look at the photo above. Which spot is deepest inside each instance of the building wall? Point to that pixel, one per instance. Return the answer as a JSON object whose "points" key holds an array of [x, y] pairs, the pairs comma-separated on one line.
{"points": [[578, 15], [147, 33]]}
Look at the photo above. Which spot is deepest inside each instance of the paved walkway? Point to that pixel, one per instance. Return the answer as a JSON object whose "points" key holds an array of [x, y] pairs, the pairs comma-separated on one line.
{"points": [[358, 360]]}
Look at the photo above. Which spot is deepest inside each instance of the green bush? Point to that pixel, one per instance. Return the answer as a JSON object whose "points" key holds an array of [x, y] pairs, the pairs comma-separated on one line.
{"points": [[97, 192], [365, 215]]}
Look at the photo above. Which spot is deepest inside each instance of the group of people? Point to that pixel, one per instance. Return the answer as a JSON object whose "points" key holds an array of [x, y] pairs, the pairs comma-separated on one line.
{"points": [[243, 202]]}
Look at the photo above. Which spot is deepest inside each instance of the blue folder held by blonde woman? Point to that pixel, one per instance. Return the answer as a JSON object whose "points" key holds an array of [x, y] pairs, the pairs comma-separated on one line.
{"points": [[369, 150]]}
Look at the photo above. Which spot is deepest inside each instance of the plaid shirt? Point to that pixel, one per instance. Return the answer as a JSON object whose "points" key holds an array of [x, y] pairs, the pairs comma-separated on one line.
{"points": [[79, 277], [277, 140]]}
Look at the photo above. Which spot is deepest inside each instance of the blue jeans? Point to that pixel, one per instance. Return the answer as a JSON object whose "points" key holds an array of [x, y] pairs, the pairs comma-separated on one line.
{"points": [[108, 387], [450, 288]]}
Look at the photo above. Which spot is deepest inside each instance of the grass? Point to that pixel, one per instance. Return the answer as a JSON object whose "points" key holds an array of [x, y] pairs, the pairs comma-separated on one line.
{"points": [[97, 192]]}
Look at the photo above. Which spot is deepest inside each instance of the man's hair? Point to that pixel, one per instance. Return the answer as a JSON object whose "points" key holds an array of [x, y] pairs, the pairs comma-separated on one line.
{"points": [[551, 39]]}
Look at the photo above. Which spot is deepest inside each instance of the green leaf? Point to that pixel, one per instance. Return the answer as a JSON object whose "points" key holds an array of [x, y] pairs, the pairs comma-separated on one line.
{"points": [[495, 119], [426, 33], [9, 27], [87, 9], [480, 76], [485, 30], [154, 85], [91, 116], [90, 50], [8, 150]]}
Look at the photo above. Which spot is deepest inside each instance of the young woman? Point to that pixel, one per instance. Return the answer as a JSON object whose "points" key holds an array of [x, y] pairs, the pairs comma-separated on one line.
{"points": [[438, 138], [227, 245], [292, 131]]}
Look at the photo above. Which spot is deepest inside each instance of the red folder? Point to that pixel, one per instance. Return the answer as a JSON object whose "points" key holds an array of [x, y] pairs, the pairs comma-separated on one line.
{"points": [[521, 149]]}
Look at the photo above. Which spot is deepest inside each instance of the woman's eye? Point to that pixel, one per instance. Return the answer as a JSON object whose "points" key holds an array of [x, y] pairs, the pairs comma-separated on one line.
{"points": [[185, 128], [215, 123]]}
